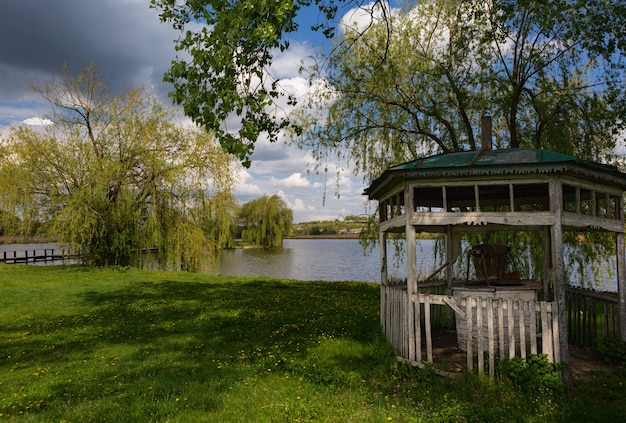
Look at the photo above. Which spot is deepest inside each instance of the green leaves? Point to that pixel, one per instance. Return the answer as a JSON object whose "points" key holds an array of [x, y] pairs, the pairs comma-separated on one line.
{"points": [[116, 175], [551, 75], [225, 78], [408, 89], [221, 77], [265, 221], [534, 374]]}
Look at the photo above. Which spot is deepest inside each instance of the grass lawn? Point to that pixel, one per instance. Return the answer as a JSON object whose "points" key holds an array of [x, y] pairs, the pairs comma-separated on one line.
{"points": [[115, 345]]}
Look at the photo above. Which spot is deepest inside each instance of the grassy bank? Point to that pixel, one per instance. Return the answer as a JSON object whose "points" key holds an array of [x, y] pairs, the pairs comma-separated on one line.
{"points": [[80, 345]]}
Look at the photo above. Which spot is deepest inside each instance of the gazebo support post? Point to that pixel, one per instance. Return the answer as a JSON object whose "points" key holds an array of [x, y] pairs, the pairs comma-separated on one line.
{"points": [[556, 233], [621, 275], [453, 250], [382, 238], [411, 267], [621, 285], [411, 248], [547, 264], [384, 282]]}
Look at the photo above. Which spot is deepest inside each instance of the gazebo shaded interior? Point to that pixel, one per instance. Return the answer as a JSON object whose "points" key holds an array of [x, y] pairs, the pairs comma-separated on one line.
{"points": [[521, 196], [503, 190]]}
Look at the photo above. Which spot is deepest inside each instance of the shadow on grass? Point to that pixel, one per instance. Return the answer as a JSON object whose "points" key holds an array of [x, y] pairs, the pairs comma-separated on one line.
{"points": [[138, 346], [156, 341], [231, 317]]}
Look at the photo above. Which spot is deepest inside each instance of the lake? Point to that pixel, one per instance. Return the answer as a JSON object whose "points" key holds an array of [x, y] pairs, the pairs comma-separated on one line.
{"points": [[319, 259], [29, 247], [300, 259], [39, 249], [336, 260]]}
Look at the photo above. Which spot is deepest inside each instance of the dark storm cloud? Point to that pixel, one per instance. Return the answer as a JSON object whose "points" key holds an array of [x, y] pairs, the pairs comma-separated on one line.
{"points": [[124, 37], [133, 49]]}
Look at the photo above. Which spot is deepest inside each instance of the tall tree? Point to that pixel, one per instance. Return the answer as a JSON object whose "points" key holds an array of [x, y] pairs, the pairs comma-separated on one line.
{"points": [[266, 221], [392, 97], [536, 58], [547, 64], [114, 174], [550, 73], [223, 74], [424, 86]]}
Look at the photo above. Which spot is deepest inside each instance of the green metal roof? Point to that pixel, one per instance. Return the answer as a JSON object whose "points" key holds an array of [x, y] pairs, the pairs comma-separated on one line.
{"points": [[509, 156], [494, 163]]}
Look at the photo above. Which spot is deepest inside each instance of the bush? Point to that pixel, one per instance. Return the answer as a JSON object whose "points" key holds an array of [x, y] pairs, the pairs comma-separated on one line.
{"points": [[611, 350], [534, 373]]}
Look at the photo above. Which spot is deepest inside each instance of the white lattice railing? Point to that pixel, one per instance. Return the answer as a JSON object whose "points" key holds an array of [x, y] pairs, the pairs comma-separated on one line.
{"points": [[497, 327]]}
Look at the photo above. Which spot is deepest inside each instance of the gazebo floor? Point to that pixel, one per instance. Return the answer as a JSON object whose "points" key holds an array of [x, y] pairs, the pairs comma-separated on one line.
{"points": [[449, 358]]}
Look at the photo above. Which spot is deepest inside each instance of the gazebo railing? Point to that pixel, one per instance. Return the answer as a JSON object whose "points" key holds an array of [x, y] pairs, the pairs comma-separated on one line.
{"points": [[489, 329], [590, 315]]}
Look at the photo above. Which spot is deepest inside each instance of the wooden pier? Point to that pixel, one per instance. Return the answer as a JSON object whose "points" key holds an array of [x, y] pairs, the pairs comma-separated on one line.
{"points": [[36, 256]]}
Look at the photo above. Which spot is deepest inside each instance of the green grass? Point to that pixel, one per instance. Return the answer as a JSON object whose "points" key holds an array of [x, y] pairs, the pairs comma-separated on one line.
{"points": [[94, 345]]}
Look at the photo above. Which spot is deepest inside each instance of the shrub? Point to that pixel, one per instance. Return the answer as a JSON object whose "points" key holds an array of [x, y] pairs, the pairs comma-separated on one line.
{"points": [[611, 350], [534, 373]]}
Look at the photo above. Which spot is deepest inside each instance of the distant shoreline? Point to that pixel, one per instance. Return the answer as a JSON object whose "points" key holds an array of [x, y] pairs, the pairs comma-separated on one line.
{"points": [[9, 240], [326, 236]]}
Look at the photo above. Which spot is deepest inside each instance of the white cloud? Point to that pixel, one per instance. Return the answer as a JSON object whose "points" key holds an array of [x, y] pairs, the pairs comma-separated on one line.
{"points": [[288, 63], [359, 18], [37, 121], [294, 180], [299, 205], [247, 189]]}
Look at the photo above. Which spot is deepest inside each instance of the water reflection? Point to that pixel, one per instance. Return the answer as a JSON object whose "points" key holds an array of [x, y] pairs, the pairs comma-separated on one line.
{"points": [[300, 259], [37, 249], [317, 259], [340, 260]]}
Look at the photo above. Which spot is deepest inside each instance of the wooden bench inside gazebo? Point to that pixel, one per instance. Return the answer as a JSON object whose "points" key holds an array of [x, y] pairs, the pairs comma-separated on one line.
{"points": [[455, 194]]}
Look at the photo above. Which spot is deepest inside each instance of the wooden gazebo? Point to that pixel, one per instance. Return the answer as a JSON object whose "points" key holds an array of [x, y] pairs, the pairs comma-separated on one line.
{"points": [[493, 190]]}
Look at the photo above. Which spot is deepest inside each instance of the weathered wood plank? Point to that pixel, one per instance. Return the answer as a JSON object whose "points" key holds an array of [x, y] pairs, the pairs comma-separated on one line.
{"points": [[410, 316], [427, 330], [621, 278], [546, 335], [522, 328], [479, 332], [469, 331], [418, 331], [492, 342], [556, 333], [533, 327], [427, 219], [575, 220], [501, 328], [511, 327]]}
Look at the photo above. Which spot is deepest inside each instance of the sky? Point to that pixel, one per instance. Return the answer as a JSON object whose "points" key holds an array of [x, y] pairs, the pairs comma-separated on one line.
{"points": [[133, 49]]}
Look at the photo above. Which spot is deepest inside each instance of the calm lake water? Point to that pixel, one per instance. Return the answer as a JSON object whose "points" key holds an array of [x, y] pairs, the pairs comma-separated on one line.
{"points": [[36, 249], [335, 260], [318, 259], [345, 260], [300, 259]]}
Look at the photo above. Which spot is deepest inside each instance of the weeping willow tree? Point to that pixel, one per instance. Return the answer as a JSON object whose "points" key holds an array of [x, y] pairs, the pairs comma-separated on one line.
{"points": [[414, 82], [114, 174], [266, 221]]}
